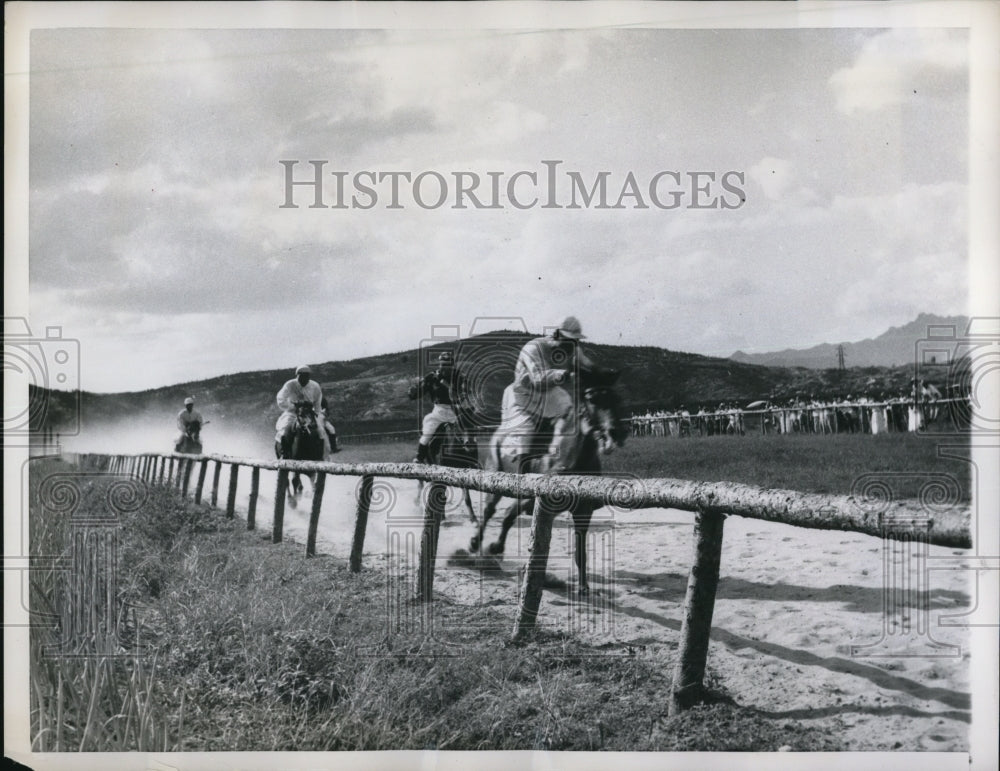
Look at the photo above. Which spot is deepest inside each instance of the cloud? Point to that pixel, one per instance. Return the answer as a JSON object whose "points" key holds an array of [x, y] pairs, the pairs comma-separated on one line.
{"points": [[898, 65], [156, 231], [124, 250], [774, 175]]}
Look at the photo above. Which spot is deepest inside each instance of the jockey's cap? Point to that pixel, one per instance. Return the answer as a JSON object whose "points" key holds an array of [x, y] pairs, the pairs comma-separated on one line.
{"points": [[571, 328], [305, 368], [188, 401]]}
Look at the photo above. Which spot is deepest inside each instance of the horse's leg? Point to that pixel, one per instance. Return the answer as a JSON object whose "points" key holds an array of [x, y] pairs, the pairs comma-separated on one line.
{"points": [[294, 488], [467, 497], [521, 506], [581, 523], [488, 511]]}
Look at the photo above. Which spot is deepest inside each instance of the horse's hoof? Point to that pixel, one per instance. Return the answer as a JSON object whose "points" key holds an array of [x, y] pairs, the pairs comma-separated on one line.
{"points": [[583, 591], [292, 502], [496, 548], [474, 543]]}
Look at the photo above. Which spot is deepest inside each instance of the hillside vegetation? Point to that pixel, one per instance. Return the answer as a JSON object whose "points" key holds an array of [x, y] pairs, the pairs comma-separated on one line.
{"points": [[370, 394]]}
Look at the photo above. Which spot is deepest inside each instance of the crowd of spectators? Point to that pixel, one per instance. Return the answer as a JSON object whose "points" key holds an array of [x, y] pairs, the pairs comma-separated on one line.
{"points": [[911, 409]]}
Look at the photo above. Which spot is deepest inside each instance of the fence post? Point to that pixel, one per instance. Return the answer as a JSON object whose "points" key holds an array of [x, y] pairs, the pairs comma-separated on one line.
{"points": [[314, 514], [201, 481], [437, 494], [254, 489], [533, 573], [361, 522], [234, 471], [215, 482], [279, 506], [181, 465], [699, 604], [187, 477]]}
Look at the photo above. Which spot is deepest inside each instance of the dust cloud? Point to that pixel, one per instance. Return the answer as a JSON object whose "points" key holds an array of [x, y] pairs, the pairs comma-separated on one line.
{"points": [[157, 435]]}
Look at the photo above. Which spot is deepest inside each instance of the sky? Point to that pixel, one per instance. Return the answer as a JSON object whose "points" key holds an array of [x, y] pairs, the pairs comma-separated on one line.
{"points": [[158, 236]]}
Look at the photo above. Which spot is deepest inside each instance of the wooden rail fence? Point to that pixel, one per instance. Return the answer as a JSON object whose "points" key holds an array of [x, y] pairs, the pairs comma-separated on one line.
{"points": [[942, 524]]}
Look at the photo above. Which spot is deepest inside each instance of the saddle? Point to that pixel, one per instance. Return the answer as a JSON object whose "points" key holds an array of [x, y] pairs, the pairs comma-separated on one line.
{"points": [[537, 446], [460, 452]]}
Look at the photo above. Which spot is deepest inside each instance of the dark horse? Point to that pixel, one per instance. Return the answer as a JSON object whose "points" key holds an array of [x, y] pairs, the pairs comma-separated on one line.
{"points": [[595, 428], [190, 443], [455, 448], [304, 442]]}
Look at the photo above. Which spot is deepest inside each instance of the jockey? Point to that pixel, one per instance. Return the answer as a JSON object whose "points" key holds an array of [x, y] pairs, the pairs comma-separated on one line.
{"points": [[443, 386], [186, 417], [300, 389], [538, 399]]}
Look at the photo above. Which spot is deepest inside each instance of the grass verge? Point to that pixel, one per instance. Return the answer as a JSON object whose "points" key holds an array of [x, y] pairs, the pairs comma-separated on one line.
{"points": [[247, 645]]}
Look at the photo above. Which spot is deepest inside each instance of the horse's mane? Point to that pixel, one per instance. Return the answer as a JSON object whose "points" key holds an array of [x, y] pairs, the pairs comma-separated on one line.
{"points": [[599, 377]]}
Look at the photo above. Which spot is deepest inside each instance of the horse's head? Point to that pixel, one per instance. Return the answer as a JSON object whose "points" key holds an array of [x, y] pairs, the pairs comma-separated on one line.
{"points": [[305, 415], [193, 429], [603, 409]]}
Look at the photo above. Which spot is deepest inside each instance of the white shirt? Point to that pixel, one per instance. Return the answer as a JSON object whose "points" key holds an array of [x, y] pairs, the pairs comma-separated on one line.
{"points": [[184, 417], [292, 392]]}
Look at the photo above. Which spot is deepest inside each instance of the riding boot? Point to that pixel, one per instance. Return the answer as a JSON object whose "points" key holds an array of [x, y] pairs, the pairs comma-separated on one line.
{"points": [[421, 453], [334, 445]]}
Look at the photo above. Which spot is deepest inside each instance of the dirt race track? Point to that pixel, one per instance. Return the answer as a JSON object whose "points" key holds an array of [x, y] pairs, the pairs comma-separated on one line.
{"points": [[801, 628]]}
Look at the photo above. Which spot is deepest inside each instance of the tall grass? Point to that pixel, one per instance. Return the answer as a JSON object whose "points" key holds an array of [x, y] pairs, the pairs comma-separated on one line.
{"points": [[85, 695], [239, 644]]}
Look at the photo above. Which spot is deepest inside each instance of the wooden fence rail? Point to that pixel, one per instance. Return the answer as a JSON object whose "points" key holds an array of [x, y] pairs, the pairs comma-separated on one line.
{"points": [[939, 522]]}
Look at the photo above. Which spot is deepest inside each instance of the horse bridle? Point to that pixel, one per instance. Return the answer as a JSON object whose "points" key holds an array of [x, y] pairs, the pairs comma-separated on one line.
{"points": [[599, 431], [306, 417]]}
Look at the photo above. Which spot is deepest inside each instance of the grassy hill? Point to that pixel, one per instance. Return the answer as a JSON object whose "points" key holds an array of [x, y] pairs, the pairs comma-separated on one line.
{"points": [[370, 394]]}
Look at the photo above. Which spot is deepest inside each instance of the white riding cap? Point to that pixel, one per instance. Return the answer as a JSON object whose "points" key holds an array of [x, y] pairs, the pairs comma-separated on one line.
{"points": [[571, 328], [188, 401], [304, 369]]}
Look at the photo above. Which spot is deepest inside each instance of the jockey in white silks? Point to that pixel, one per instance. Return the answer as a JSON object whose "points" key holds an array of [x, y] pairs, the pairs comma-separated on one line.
{"points": [[300, 388], [186, 417], [444, 387], [538, 393]]}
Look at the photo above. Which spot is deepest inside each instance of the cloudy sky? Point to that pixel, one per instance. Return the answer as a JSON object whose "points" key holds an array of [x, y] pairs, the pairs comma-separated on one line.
{"points": [[159, 240]]}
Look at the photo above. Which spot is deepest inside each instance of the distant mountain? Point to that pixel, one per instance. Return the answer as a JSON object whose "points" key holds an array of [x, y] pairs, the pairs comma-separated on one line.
{"points": [[893, 348], [370, 394]]}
